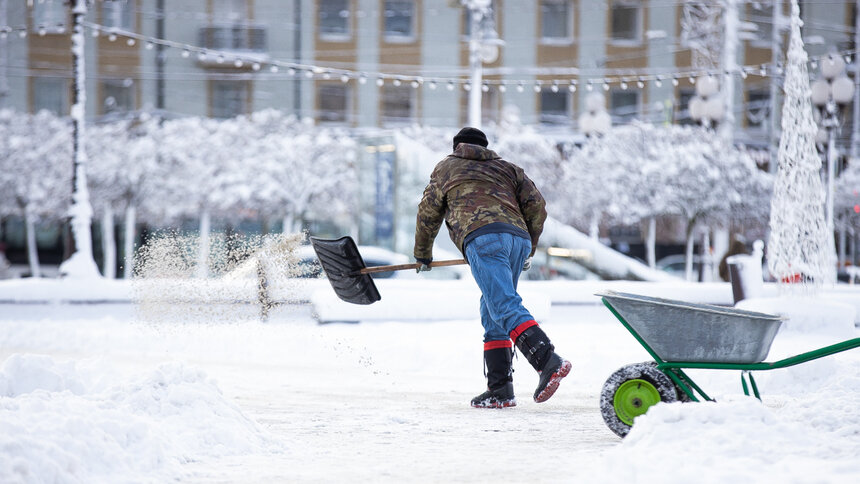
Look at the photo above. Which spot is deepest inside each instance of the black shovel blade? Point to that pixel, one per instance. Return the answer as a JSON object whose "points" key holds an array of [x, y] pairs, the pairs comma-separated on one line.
{"points": [[341, 262]]}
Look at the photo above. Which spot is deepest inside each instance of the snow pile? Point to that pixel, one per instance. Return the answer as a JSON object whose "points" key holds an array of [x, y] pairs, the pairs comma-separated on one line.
{"points": [[76, 422], [737, 436], [807, 314]]}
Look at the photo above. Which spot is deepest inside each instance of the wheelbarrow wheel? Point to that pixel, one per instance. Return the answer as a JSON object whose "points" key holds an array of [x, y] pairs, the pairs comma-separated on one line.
{"points": [[631, 391]]}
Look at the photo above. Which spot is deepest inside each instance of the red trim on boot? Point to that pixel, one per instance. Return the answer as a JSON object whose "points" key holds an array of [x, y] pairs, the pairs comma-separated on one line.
{"points": [[519, 329], [494, 345]]}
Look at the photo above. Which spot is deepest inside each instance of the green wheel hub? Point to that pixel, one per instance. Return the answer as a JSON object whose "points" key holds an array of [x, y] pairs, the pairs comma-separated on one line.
{"points": [[633, 398]]}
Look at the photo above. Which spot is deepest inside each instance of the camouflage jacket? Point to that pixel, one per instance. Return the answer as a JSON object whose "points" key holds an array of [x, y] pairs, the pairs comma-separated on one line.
{"points": [[474, 187]]}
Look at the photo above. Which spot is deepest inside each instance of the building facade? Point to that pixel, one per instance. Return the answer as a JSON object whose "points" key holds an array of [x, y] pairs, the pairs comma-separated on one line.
{"points": [[384, 63]]}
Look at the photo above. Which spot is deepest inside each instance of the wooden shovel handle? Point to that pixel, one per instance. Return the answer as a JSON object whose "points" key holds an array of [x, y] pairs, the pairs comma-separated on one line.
{"points": [[414, 265]]}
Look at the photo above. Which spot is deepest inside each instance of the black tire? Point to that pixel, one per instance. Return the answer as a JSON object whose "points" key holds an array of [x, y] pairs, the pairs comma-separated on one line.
{"points": [[640, 379]]}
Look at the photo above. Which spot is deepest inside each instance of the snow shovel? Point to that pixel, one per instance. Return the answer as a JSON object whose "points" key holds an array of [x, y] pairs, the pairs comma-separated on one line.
{"points": [[347, 273]]}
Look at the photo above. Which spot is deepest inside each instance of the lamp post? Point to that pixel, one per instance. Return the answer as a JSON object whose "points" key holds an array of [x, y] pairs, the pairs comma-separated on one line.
{"points": [[707, 106], [484, 46], [595, 121], [831, 92]]}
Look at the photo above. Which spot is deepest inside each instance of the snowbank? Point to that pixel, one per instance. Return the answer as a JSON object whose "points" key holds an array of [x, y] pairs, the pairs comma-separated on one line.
{"points": [[67, 421], [807, 315]]}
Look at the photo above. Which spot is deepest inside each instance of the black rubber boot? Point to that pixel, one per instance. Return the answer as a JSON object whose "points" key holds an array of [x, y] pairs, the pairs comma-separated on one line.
{"points": [[534, 344], [500, 385]]}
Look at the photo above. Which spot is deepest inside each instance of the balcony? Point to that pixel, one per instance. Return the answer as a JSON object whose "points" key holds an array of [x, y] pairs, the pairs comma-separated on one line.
{"points": [[236, 41]]}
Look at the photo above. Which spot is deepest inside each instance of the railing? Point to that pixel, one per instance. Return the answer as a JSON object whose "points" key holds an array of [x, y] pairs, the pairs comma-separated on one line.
{"points": [[233, 37]]}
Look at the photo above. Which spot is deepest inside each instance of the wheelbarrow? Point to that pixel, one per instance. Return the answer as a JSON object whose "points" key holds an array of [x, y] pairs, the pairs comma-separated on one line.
{"points": [[681, 335]]}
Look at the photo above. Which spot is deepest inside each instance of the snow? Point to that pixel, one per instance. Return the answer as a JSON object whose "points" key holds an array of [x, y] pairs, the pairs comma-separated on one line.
{"points": [[93, 393]]}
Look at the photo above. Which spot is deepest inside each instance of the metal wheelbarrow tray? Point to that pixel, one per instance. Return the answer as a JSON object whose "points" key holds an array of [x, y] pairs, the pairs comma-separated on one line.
{"points": [[681, 335]]}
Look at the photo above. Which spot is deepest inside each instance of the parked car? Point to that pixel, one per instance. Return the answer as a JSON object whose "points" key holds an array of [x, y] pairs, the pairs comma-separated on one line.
{"points": [[677, 265]]}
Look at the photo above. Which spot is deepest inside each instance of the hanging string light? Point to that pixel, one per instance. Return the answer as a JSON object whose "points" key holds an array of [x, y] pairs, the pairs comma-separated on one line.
{"points": [[346, 75]]}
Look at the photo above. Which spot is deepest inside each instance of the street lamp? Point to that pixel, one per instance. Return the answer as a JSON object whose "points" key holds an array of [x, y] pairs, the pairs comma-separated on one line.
{"points": [[707, 107], [595, 121], [484, 46], [831, 92]]}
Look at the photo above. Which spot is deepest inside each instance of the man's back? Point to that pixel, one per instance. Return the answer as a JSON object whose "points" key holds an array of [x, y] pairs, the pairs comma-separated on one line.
{"points": [[474, 187]]}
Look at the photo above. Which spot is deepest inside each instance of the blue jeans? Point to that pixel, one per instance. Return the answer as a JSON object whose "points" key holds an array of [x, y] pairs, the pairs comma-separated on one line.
{"points": [[497, 261]]}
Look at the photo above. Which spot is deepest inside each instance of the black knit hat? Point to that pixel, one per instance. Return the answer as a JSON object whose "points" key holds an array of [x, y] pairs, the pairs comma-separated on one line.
{"points": [[472, 136]]}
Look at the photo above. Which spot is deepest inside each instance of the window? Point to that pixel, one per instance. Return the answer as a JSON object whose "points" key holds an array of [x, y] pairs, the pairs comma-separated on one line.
{"points": [[399, 19], [49, 14], [229, 98], [117, 96], [556, 20], [397, 104], [683, 115], [626, 19], [51, 94], [624, 105], [758, 107], [229, 10], [117, 14], [334, 18], [333, 103], [761, 14], [234, 37], [554, 107]]}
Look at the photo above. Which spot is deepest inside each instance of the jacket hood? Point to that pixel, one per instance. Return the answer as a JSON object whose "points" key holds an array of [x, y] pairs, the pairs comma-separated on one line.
{"points": [[474, 152]]}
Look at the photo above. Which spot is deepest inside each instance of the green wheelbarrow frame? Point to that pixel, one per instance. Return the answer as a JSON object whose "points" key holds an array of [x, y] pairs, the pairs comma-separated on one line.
{"points": [[675, 369]]}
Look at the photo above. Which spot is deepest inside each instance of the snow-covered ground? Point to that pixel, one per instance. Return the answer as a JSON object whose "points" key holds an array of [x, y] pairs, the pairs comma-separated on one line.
{"points": [[96, 393]]}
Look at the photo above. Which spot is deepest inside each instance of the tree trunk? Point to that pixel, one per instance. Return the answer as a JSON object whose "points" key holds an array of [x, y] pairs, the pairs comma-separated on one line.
{"points": [[841, 253], [203, 254], [108, 243], [289, 222], [688, 256], [705, 265], [128, 241], [651, 242], [32, 250], [722, 240]]}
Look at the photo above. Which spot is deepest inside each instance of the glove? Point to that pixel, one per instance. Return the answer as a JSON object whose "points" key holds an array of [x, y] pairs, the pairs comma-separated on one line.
{"points": [[425, 265], [527, 264]]}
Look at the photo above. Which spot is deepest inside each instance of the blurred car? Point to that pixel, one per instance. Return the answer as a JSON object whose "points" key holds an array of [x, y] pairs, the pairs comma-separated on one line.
{"points": [[677, 265], [551, 267]]}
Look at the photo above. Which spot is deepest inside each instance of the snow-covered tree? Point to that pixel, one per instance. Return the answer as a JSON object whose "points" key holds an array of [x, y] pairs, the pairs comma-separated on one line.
{"points": [[296, 176], [701, 31], [526, 147], [124, 159], [35, 171], [641, 172], [800, 246], [202, 161], [847, 204]]}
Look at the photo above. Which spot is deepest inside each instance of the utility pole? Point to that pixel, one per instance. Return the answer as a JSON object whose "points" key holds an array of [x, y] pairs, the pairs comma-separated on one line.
{"points": [[730, 48], [81, 263], [476, 67], [160, 56], [4, 56]]}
